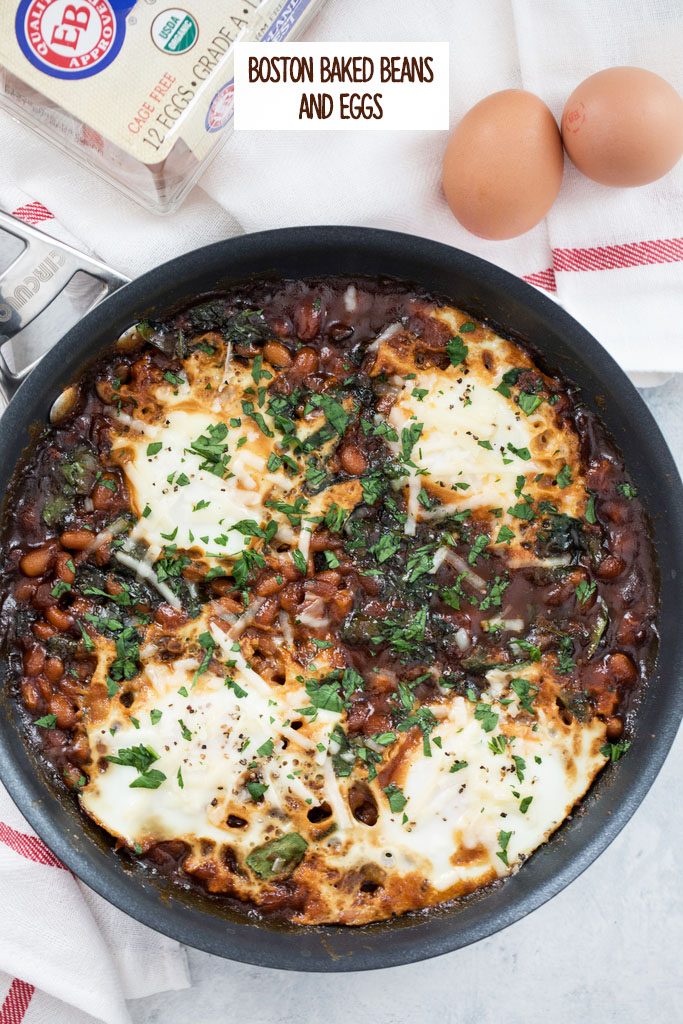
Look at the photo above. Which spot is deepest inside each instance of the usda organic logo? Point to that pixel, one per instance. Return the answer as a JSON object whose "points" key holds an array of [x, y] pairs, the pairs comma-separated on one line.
{"points": [[174, 31]]}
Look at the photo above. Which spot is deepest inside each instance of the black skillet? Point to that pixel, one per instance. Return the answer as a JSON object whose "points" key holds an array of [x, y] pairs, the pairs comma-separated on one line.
{"points": [[562, 346]]}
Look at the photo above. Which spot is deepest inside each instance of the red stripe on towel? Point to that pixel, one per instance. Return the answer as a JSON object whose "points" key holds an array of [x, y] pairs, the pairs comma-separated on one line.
{"points": [[14, 1008], [33, 213], [29, 847], [616, 257], [543, 279]]}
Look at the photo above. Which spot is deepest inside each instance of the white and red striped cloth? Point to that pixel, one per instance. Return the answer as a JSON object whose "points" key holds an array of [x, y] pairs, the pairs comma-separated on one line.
{"points": [[613, 258], [67, 956]]}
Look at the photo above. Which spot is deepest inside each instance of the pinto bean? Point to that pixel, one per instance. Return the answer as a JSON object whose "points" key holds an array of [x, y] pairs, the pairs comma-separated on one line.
{"points": [[269, 584], [369, 584], [287, 569], [276, 354], [63, 567], [341, 604], [169, 617], [79, 750], [321, 588], [222, 586], [631, 630], [322, 540], [63, 711], [281, 325], [307, 318], [43, 630], [24, 590], [76, 540], [620, 667], [607, 702], [61, 620], [194, 573], [306, 361], [54, 669], [610, 567], [34, 659], [106, 391], [37, 562], [30, 694], [45, 687], [231, 605], [268, 612], [329, 576], [340, 331], [615, 511], [291, 596], [70, 686], [103, 554], [103, 497], [352, 459]]}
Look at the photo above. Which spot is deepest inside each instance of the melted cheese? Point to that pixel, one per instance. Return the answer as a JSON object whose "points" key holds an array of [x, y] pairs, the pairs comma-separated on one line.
{"points": [[449, 833], [199, 511], [459, 829], [456, 414], [475, 448], [205, 737]]}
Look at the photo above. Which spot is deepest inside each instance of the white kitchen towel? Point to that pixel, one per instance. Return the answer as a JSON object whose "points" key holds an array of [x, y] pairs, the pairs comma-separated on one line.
{"points": [[614, 258], [58, 937]]}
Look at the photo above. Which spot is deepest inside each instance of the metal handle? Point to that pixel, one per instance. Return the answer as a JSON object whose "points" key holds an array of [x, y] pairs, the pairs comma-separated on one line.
{"points": [[47, 287]]}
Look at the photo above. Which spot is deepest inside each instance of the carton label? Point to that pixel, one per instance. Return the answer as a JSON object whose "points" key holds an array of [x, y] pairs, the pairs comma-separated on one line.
{"points": [[143, 75], [71, 38]]}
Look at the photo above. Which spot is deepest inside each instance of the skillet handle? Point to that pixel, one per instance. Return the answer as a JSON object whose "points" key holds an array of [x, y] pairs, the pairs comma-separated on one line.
{"points": [[46, 286]]}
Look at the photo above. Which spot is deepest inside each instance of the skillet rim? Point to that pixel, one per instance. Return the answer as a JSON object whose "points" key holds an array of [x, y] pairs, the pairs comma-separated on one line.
{"points": [[422, 935]]}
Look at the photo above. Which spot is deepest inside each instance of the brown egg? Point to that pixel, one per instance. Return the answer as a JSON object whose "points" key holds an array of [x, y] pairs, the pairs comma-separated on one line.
{"points": [[624, 126], [503, 164]]}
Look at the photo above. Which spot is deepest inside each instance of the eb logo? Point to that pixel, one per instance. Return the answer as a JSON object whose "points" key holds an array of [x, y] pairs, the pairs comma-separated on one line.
{"points": [[71, 38]]}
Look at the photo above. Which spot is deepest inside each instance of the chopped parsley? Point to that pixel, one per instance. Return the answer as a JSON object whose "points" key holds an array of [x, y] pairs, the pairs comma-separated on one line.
{"points": [[141, 758], [396, 798], [409, 438], [212, 448], [529, 403], [564, 477], [525, 692], [486, 716], [386, 546], [457, 350], [522, 453], [299, 560], [503, 842], [46, 722], [478, 548], [256, 790], [585, 590], [614, 751]]}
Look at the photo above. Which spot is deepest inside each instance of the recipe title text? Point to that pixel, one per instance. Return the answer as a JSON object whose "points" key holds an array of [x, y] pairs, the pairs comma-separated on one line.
{"points": [[313, 86]]}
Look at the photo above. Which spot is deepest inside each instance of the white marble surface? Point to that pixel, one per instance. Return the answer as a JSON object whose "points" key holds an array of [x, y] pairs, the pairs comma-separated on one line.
{"points": [[605, 951]]}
